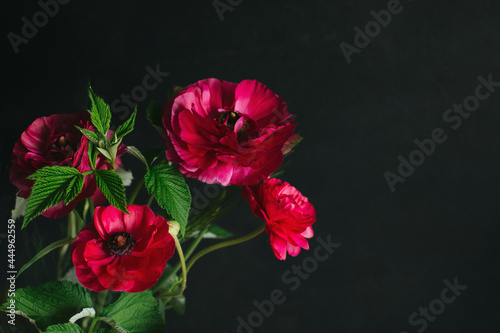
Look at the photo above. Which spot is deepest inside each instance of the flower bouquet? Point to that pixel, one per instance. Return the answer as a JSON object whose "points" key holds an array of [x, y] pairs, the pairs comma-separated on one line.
{"points": [[122, 264]]}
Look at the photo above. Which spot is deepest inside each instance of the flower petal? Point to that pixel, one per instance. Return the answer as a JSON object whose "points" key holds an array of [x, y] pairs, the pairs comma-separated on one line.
{"points": [[257, 102], [108, 220]]}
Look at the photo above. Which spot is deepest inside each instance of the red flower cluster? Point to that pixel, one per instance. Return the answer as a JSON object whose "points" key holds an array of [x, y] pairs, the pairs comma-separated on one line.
{"points": [[236, 134], [216, 131]]}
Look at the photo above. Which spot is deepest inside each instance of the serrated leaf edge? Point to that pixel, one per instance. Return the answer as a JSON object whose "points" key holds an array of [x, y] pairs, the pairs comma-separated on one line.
{"points": [[111, 322]]}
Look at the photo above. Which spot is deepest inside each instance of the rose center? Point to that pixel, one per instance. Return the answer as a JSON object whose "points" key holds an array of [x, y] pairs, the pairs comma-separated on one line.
{"points": [[120, 243], [228, 118], [61, 149]]}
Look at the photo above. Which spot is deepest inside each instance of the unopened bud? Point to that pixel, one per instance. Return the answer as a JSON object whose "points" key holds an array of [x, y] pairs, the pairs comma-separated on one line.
{"points": [[174, 228]]}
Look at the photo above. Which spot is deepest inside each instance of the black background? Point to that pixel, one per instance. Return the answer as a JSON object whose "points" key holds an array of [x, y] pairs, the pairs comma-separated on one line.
{"points": [[396, 248]]}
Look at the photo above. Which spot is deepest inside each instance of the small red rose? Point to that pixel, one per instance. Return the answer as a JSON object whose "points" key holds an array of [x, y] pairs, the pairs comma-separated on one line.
{"points": [[122, 252], [226, 133], [288, 214]]}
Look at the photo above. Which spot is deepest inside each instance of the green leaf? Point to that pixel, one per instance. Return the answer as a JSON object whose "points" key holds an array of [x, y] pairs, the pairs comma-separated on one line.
{"points": [[75, 186], [105, 153], [53, 184], [291, 143], [134, 151], [43, 252], [93, 137], [214, 231], [171, 192], [50, 303], [127, 126], [111, 185], [148, 157], [93, 152], [154, 114], [65, 328], [135, 313], [153, 154], [100, 113], [113, 151]]}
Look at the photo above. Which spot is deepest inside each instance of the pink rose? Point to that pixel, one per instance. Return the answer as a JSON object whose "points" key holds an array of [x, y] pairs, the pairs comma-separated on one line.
{"points": [[226, 133], [288, 214], [121, 252], [54, 140]]}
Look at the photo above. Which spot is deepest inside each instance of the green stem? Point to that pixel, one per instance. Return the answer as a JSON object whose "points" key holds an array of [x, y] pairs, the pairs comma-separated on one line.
{"points": [[100, 302], [80, 221], [150, 200], [85, 323], [221, 245], [92, 325], [136, 190], [177, 266], [184, 272], [91, 208], [71, 233], [195, 243]]}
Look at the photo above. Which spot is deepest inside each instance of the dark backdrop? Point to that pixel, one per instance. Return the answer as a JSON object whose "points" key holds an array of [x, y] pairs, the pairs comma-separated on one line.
{"points": [[397, 247]]}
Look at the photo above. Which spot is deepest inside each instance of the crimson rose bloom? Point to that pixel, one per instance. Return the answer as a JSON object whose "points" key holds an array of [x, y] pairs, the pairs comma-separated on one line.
{"points": [[288, 215], [122, 252], [54, 140], [226, 133]]}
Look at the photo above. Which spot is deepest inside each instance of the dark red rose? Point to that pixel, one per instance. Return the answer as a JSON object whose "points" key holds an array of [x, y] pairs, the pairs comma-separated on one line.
{"points": [[54, 140]]}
